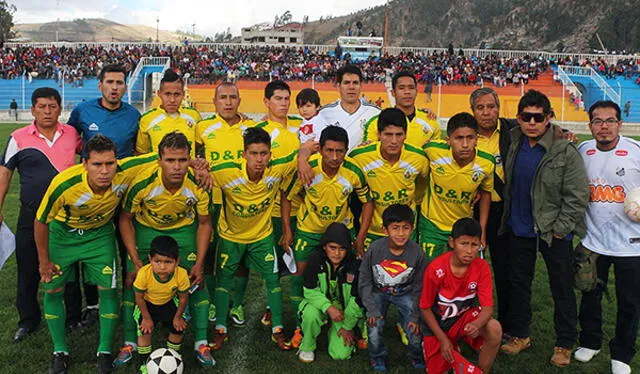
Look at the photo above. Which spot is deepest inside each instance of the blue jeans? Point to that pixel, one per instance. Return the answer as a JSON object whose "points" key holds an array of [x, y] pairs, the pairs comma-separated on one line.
{"points": [[406, 307]]}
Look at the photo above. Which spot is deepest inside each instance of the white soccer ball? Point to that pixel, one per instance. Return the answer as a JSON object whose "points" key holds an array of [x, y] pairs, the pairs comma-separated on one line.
{"points": [[632, 205], [165, 361]]}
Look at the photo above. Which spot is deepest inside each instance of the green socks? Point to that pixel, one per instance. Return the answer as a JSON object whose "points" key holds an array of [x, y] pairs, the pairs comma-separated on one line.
{"points": [[108, 318], [239, 290], [296, 295], [199, 307], [54, 313], [128, 323], [274, 298]]}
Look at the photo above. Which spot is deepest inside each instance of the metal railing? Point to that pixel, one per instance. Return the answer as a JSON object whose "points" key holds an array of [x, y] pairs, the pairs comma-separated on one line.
{"points": [[607, 90], [165, 62]]}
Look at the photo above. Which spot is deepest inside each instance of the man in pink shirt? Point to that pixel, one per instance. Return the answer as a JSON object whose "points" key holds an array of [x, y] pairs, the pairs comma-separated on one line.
{"points": [[39, 151]]}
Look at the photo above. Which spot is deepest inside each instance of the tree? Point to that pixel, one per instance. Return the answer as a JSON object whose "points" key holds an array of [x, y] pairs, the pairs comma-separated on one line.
{"points": [[6, 21]]}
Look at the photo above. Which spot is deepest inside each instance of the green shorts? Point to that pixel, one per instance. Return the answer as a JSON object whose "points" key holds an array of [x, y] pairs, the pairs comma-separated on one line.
{"points": [[185, 236], [95, 248], [433, 241], [260, 255], [305, 244]]}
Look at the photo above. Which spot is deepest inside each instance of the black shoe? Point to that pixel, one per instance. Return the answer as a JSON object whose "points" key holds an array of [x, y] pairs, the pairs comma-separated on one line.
{"points": [[90, 317], [105, 363], [59, 364], [22, 333], [76, 327]]}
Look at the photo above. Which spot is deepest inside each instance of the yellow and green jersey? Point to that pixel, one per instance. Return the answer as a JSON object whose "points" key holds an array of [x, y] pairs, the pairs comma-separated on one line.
{"points": [[159, 292], [70, 200], [221, 142], [420, 130], [491, 145], [451, 188], [246, 206], [390, 183], [326, 199], [154, 206], [156, 123]]}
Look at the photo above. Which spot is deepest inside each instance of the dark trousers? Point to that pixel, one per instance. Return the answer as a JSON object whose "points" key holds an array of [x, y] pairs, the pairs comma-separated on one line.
{"points": [[559, 260], [73, 296], [627, 283], [28, 272]]}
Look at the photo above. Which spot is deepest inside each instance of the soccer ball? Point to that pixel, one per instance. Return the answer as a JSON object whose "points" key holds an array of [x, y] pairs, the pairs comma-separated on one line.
{"points": [[632, 205], [165, 361]]}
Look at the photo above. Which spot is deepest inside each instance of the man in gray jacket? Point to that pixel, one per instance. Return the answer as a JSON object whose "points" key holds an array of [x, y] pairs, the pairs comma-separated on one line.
{"points": [[545, 198]]}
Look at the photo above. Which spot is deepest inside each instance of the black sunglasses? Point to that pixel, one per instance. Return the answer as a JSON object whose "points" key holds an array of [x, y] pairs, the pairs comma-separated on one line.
{"points": [[538, 117]]}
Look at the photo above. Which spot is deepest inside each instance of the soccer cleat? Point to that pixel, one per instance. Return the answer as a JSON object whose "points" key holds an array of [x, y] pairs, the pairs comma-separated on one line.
{"points": [[306, 357], [278, 337], [515, 345], [266, 317], [143, 369], [59, 363], [296, 340], [203, 355], [583, 354], [237, 316], [219, 337], [124, 356], [105, 363], [212, 313], [76, 327], [619, 367], [561, 357], [89, 317], [379, 365], [403, 336], [363, 344]]}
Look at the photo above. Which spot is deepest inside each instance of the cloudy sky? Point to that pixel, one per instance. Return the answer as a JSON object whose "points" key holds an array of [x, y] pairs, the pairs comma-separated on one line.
{"points": [[209, 16]]}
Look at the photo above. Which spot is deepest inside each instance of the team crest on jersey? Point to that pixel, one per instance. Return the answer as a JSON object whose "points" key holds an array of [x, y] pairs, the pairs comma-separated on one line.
{"points": [[346, 190], [476, 175], [190, 201], [440, 170], [407, 174], [472, 286], [371, 174], [620, 172], [93, 127], [439, 273], [190, 124], [350, 277], [269, 186], [426, 129]]}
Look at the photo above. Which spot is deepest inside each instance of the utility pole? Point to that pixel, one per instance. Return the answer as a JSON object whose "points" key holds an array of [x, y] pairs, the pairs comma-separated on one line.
{"points": [[58, 20], [386, 25], [193, 32], [157, 29]]}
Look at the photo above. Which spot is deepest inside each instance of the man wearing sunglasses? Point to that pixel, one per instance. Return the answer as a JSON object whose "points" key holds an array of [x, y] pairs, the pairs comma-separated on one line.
{"points": [[545, 198]]}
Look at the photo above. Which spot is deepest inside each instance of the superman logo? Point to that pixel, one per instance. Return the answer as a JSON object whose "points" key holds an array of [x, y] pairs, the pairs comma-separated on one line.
{"points": [[393, 268]]}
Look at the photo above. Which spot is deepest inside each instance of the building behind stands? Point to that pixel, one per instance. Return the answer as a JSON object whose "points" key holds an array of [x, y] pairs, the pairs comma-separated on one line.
{"points": [[291, 33]]}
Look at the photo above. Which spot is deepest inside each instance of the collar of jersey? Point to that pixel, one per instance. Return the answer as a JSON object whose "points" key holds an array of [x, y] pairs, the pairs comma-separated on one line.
{"points": [[402, 153], [160, 280]]}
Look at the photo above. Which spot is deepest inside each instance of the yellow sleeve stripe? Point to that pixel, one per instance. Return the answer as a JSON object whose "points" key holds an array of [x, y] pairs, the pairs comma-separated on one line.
{"points": [[57, 192], [136, 188]]}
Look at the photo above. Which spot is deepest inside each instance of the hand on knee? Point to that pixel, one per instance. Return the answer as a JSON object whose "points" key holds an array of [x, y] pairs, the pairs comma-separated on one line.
{"points": [[492, 332]]}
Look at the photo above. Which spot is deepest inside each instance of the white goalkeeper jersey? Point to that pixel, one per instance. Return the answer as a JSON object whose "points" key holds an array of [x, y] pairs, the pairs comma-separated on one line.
{"points": [[611, 176], [333, 114]]}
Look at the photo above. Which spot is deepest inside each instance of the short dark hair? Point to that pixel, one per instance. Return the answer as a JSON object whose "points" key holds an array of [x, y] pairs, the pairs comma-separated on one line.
{"points": [[174, 140], [403, 73], [605, 104], [308, 95], [112, 68], [396, 213], [536, 99], [45, 93], [348, 69], [466, 227], [272, 86], [335, 133], [392, 117], [256, 135], [461, 120], [99, 143], [171, 76], [164, 245]]}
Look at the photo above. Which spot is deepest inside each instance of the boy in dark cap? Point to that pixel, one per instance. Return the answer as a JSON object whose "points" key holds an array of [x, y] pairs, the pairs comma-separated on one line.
{"points": [[331, 294]]}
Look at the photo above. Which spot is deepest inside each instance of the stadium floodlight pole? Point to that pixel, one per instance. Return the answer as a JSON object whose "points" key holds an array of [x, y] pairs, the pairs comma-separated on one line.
{"points": [[385, 42], [157, 29]]}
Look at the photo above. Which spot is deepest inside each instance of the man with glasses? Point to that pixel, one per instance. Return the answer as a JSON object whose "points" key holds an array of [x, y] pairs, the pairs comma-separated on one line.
{"points": [[545, 197]]}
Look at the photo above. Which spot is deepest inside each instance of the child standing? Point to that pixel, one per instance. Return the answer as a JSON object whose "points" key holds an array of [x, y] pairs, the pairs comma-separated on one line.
{"points": [[308, 102]]}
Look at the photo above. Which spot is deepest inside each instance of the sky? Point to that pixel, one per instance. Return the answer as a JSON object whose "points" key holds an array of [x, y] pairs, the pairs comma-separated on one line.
{"points": [[209, 16]]}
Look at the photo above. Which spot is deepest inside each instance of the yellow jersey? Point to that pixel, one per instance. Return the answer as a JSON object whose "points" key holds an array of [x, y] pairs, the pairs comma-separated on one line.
{"points": [[451, 188], [154, 206], [390, 183], [245, 216], [326, 199], [420, 130], [70, 200], [491, 145], [159, 292], [156, 123]]}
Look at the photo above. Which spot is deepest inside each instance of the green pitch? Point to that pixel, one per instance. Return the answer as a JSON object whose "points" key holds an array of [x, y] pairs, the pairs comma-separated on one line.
{"points": [[250, 349]]}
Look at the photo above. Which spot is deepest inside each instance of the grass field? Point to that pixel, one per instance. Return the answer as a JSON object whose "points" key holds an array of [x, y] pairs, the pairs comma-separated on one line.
{"points": [[250, 349]]}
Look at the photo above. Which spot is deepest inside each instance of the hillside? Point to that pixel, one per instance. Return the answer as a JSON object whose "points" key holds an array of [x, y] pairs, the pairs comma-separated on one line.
{"points": [[98, 30], [510, 24]]}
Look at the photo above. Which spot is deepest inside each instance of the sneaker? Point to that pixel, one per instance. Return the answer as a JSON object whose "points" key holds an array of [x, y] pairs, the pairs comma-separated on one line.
{"points": [[418, 364], [237, 316], [306, 357], [142, 369], [296, 339], [105, 363], [280, 340], [59, 363], [203, 355], [403, 336], [212, 313], [124, 356], [363, 344], [583, 354], [378, 365], [90, 317], [515, 345], [619, 367], [266, 317], [219, 337], [561, 357]]}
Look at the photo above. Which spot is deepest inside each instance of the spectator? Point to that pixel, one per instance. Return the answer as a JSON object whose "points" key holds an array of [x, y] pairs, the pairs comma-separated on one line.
{"points": [[13, 109]]}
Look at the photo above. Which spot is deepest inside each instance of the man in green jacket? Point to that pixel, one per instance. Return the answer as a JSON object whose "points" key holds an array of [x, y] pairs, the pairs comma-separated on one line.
{"points": [[331, 294], [545, 198]]}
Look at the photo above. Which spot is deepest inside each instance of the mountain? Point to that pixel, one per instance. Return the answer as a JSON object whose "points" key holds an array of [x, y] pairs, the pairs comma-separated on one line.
{"points": [[567, 25]]}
